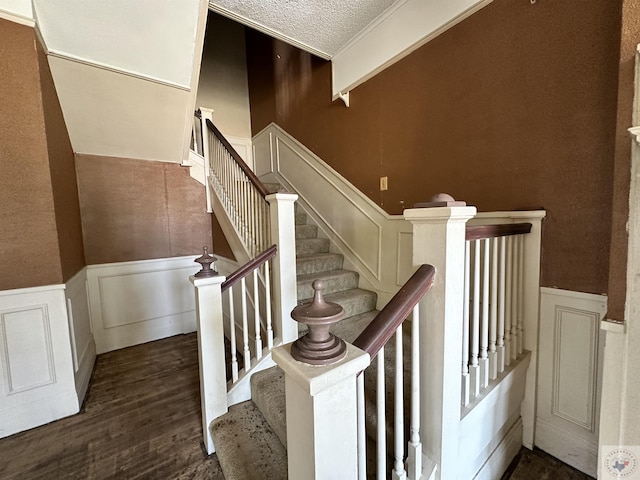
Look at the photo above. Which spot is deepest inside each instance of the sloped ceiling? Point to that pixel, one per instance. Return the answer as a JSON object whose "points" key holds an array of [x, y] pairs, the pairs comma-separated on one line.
{"points": [[321, 28]]}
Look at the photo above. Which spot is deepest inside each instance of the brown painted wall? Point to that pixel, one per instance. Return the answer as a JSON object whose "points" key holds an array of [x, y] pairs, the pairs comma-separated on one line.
{"points": [[137, 210], [29, 252], [630, 38], [63, 175], [514, 108]]}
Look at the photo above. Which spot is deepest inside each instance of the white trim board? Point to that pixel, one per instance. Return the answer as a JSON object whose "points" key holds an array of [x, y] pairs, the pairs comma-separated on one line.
{"points": [[141, 301]]}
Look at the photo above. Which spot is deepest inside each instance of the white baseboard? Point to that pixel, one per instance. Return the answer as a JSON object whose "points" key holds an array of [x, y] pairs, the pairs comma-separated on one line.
{"points": [[568, 447], [138, 302], [36, 366]]}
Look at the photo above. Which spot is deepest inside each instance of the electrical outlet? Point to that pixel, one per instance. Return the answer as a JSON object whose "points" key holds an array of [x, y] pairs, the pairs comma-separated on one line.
{"points": [[384, 184]]}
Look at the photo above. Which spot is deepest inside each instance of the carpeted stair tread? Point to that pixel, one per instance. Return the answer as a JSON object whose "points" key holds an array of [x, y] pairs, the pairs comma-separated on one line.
{"points": [[319, 262], [306, 231], [334, 281], [300, 218], [310, 246], [246, 446], [267, 392]]}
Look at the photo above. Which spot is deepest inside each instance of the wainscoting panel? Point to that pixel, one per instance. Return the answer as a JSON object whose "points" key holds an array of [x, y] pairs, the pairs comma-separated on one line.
{"points": [[83, 346], [36, 366], [569, 376], [138, 302]]}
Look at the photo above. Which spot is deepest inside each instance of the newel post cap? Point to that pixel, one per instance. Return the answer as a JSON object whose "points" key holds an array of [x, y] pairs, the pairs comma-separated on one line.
{"points": [[206, 260]]}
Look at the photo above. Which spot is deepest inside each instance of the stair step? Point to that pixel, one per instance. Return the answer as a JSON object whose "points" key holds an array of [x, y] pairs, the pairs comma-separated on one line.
{"points": [[334, 281], [309, 246], [267, 392], [246, 446], [306, 231], [320, 262], [300, 217], [354, 301]]}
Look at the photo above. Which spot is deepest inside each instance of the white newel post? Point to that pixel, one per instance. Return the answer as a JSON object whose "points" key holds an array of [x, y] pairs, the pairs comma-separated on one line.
{"points": [[439, 240], [213, 379], [530, 315], [283, 234], [322, 415]]}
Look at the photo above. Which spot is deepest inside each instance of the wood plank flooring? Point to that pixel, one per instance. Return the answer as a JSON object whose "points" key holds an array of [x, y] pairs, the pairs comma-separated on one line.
{"points": [[141, 420]]}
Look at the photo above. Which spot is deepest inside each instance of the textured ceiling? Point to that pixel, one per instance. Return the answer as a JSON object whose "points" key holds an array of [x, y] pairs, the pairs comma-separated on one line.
{"points": [[319, 26]]}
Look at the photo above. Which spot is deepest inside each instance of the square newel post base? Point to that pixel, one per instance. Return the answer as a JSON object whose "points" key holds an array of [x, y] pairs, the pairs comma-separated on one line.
{"points": [[322, 415]]}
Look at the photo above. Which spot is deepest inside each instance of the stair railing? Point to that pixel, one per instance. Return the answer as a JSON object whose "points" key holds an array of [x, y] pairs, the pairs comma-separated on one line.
{"points": [[240, 193], [373, 340], [493, 329]]}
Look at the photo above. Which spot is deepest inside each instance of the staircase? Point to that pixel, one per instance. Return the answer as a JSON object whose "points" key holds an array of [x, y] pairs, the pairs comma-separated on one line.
{"points": [[251, 438]]}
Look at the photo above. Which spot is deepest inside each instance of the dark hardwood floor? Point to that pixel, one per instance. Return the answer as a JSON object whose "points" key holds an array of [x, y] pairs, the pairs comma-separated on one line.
{"points": [[141, 420]]}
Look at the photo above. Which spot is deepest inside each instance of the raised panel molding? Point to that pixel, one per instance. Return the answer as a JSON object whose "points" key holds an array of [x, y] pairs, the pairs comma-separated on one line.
{"points": [[138, 302], [26, 348], [36, 366], [576, 331]]}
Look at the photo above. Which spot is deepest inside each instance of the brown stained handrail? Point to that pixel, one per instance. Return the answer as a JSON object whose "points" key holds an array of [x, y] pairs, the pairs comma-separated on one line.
{"points": [[481, 232], [382, 328], [243, 166], [249, 267]]}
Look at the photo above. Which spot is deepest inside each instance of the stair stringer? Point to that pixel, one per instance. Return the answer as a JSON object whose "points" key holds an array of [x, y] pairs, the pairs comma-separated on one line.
{"points": [[379, 248], [241, 390]]}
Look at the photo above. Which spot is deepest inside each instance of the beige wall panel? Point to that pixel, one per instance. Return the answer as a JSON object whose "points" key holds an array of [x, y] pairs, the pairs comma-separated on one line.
{"points": [[114, 114]]}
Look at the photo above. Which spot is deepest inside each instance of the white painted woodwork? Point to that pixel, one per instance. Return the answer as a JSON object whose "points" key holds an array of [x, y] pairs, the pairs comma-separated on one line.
{"points": [[381, 423], [362, 432], [439, 240], [135, 37], [619, 426], [213, 380], [83, 347], [285, 293], [396, 33], [569, 379], [18, 11], [375, 244], [141, 301], [36, 359], [414, 448], [314, 395], [530, 303], [484, 426], [125, 105]]}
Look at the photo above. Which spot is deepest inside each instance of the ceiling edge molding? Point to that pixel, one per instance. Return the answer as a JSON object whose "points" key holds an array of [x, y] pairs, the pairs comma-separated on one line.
{"points": [[267, 30], [17, 18], [374, 35], [102, 66]]}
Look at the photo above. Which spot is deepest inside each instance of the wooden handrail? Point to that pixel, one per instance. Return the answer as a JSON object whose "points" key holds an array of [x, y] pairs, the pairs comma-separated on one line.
{"points": [[245, 168], [382, 328], [249, 267], [480, 232]]}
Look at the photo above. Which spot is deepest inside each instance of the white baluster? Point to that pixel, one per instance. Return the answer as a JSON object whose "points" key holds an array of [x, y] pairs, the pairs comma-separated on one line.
{"points": [[381, 437], [501, 305], [245, 326], [514, 298], [256, 316], [484, 325], [232, 339], [508, 297], [414, 454], [466, 385], [474, 367], [399, 472], [267, 293], [362, 432], [520, 294], [493, 316]]}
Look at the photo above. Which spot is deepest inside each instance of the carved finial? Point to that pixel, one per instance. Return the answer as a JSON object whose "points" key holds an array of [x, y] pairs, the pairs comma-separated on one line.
{"points": [[206, 260], [440, 200], [319, 346]]}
